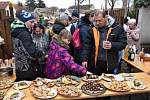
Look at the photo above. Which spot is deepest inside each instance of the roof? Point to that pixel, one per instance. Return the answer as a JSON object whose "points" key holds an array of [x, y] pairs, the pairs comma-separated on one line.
{"points": [[4, 4], [18, 8], [85, 7]]}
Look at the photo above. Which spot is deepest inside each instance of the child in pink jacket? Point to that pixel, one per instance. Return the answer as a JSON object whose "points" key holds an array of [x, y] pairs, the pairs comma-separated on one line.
{"points": [[59, 61]]}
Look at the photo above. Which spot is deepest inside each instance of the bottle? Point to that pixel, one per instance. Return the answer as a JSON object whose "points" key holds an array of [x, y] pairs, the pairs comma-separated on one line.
{"points": [[141, 54], [131, 54], [134, 49]]}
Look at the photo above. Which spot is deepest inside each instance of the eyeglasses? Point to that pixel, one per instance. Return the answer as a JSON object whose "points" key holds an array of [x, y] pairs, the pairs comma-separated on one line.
{"points": [[32, 21], [92, 15]]}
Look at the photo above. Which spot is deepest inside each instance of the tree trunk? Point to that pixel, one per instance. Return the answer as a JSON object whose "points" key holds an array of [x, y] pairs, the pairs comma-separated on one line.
{"points": [[79, 7], [89, 4], [105, 4], [125, 6], [125, 3]]}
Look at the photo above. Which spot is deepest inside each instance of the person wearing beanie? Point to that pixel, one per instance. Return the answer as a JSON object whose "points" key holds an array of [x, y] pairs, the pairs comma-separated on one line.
{"points": [[75, 18], [25, 52], [27, 18], [72, 27], [61, 22]]}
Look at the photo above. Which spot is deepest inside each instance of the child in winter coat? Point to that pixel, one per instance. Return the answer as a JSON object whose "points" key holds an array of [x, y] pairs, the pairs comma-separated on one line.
{"points": [[60, 62]]}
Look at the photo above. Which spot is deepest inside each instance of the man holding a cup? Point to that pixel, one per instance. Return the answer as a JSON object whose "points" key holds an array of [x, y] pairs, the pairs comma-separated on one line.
{"points": [[100, 51]]}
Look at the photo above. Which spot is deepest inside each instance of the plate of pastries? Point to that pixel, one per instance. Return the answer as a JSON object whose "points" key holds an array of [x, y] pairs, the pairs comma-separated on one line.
{"points": [[42, 92], [67, 80], [93, 88], [91, 77], [119, 86], [22, 84], [43, 81], [69, 91]]}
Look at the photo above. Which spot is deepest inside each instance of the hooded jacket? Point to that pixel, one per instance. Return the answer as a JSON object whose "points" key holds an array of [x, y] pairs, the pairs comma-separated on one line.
{"points": [[25, 51], [115, 34], [59, 61], [57, 27]]}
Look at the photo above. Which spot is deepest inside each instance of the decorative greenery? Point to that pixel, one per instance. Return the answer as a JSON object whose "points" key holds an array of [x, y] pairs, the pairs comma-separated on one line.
{"points": [[20, 4], [142, 3], [31, 4], [40, 4]]}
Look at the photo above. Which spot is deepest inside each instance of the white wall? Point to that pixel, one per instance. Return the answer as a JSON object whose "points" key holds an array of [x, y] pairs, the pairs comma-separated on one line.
{"points": [[144, 24]]}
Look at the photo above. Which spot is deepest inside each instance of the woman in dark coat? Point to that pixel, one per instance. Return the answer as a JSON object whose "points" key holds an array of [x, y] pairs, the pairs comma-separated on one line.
{"points": [[85, 26]]}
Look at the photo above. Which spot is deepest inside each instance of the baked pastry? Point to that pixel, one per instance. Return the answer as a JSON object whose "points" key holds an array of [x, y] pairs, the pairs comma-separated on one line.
{"points": [[43, 81], [42, 92], [108, 77], [2, 93], [69, 91], [67, 81], [6, 83], [118, 86]]}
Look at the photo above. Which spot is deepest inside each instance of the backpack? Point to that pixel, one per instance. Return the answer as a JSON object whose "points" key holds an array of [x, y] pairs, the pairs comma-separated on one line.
{"points": [[76, 39]]}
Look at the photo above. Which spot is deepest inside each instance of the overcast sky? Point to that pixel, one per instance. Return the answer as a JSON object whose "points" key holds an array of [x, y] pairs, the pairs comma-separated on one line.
{"points": [[66, 3]]}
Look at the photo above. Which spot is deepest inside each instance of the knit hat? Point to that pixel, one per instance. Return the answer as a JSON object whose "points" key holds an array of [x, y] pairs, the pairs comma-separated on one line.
{"points": [[63, 16], [75, 13], [132, 21], [25, 16]]}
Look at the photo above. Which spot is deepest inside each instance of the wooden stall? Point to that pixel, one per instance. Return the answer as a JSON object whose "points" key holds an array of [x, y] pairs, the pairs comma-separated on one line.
{"points": [[118, 14], [6, 49]]}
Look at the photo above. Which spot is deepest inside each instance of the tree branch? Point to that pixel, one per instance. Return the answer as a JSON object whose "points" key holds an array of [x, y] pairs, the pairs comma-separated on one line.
{"points": [[109, 2]]}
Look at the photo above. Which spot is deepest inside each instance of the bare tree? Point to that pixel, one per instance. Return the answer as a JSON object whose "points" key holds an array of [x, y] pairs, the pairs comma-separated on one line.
{"points": [[53, 9], [112, 3], [125, 6]]}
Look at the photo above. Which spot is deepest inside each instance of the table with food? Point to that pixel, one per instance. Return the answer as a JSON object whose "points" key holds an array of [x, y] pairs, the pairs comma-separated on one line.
{"points": [[138, 64], [72, 87]]}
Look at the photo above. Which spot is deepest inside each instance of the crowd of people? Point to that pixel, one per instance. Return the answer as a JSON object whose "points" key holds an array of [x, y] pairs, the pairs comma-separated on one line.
{"points": [[47, 49]]}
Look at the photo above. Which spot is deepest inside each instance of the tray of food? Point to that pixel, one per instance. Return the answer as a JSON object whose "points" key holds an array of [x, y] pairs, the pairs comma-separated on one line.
{"points": [[91, 77], [119, 86], [14, 95], [43, 81], [108, 77], [22, 84], [93, 88], [42, 92], [138, 85], [6, 83], [67, 91], [67, 80]]}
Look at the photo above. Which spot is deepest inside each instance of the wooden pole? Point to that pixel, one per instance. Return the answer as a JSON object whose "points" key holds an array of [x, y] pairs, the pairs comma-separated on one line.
{"points": [[79, 7]]}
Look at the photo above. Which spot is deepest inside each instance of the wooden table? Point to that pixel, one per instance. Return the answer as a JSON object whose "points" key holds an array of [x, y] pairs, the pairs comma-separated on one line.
{"points": [[142, 76], [143, 66]]}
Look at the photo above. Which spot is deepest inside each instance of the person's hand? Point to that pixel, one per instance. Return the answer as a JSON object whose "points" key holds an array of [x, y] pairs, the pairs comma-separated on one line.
{"points": [[89, 72], [46, 56], [84, 64], [1, 41], [107, 45]]}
